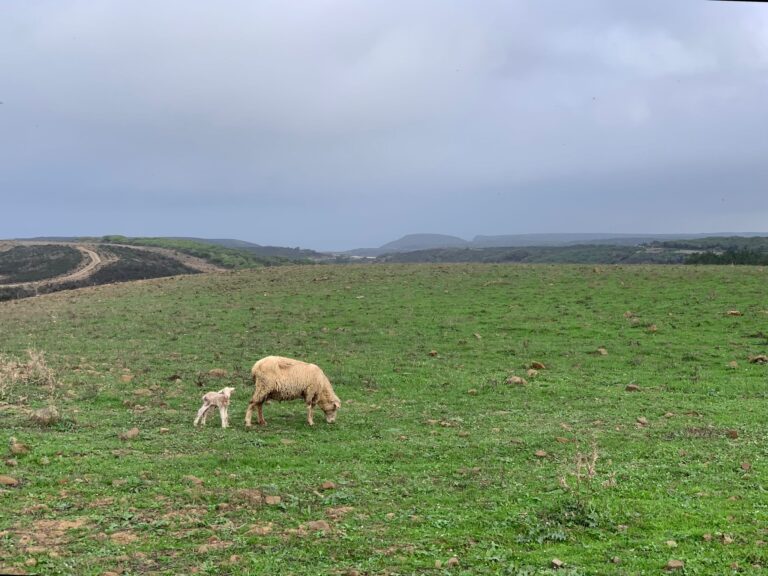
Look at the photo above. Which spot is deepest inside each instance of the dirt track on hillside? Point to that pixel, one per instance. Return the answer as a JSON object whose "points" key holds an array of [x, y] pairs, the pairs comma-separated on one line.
{"points": [[93, 261]]}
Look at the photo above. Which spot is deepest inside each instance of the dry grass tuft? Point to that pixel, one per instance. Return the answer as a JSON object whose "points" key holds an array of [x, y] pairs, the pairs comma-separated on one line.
{"points": [[21, 378], [584, 472]]}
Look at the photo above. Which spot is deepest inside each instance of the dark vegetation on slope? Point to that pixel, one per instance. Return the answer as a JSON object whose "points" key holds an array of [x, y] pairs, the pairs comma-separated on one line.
{"points": [[35, 263], [129, 264]]}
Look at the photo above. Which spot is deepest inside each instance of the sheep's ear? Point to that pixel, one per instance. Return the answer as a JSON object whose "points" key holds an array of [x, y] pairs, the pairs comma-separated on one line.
{"points": [[337, 404]]}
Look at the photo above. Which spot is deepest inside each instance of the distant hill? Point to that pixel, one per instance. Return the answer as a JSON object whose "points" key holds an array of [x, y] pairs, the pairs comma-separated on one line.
{"points": [[412, 242], [419, 242], [623, 250], [261, 251], [513, 240], [423, 242], [226, 242]]}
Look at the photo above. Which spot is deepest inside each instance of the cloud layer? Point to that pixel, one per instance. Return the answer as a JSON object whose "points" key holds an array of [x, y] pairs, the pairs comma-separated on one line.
{"points": [[337, 124]]}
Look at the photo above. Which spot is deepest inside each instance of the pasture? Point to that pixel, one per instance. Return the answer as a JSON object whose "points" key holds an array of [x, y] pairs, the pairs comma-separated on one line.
{"points": [[433, 456]]}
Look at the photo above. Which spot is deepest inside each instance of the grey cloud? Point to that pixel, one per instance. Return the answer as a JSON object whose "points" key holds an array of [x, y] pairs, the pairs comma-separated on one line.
{"points": [[366, 120]]}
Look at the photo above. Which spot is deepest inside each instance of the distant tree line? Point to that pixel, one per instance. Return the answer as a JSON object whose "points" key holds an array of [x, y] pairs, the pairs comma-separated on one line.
{"points": [[735, 256]]}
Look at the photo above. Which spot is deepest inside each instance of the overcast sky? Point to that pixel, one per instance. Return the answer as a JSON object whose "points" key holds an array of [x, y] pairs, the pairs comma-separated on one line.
{"points": [[335, 124]]}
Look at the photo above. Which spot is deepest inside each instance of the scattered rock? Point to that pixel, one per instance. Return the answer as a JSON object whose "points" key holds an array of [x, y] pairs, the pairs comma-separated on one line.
{"points": [[732, 434], [671, 543], [193, 480], [707, 537], [217, 373], [733, 313], [472, 392], [642, 421], [536, 365], [433, 353], [16, 447], [746, 466], [557, 563], [759, 359], [164, 430], [532, 372], [260, 529], [338, 512], [652, 328], [629, 314], [318, 526], [602, 351], [46, 416], [142, 392], [669, 414], [272, 500], [328, 485], [674, 565], [562, 440], [616, 560], [249, 495], [632, 388], [733, 364], [8, 481], [517, 381], [287, 441], [129, 434], [452, 562], [727, 539], [438, 564], [540, 454], [11, 462]]}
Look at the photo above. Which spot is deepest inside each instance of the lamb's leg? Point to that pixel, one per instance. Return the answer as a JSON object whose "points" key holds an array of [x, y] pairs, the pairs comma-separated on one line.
{"points": [[223, 412], [205, 414], [309, 415], [201, 414]]}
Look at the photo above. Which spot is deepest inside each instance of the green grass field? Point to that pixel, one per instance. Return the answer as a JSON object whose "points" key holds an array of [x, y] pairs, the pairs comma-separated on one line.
{"points": [[433, 455]]}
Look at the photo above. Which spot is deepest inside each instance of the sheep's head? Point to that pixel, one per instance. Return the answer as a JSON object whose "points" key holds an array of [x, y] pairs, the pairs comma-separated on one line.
{"points": [[329, 407]]}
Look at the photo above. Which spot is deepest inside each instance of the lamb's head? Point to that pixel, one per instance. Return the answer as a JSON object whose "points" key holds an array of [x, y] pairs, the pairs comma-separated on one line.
{"points": [[329, 406], [227, 392]]}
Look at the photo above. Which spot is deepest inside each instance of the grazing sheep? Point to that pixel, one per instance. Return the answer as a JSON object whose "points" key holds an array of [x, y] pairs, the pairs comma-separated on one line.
{"points": [[213, 400], [278, 378]]}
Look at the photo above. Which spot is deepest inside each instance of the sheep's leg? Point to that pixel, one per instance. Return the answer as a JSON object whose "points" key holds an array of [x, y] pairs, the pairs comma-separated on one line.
{"points": [[309, 415], [201, 414], [249, 413], [223, 412], [262, 422]]}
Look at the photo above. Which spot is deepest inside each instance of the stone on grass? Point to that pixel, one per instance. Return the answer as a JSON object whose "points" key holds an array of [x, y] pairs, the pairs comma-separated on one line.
{"points": [[46, 416], [129, 434]]}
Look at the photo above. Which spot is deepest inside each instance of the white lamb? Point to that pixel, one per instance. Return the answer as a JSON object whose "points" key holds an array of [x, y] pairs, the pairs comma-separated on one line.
{"points": [[213, 400], [278, 378]]}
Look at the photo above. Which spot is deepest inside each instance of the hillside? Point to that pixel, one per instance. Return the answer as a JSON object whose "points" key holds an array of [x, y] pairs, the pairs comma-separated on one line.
{"points": [[639, 439], [577, 254], [29, 268], [416, 242]]}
